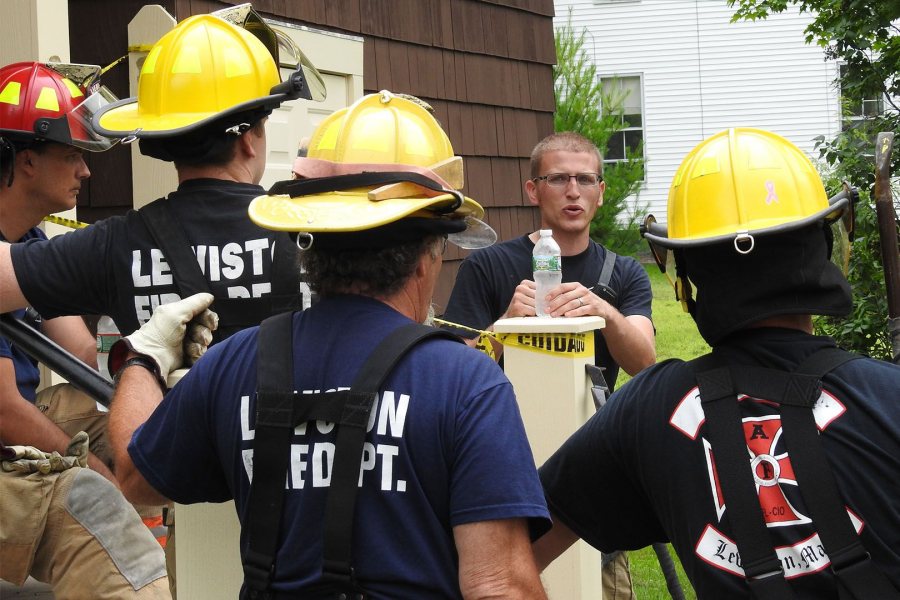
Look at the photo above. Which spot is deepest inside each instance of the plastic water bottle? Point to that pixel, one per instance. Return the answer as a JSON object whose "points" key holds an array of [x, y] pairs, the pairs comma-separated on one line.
{"points": [[546, 262], [107, 335]]}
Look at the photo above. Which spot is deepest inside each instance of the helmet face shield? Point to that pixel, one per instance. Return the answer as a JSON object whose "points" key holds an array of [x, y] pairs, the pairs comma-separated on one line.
{"points": [[660, 253], [285, 52], [840, 249], [843, 228], [477, 234], [83, 76], [83, 135], [663, 256], [292, 57]]}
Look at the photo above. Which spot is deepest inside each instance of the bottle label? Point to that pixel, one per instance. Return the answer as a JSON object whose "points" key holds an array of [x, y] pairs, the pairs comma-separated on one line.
{"points": [[546, 263], [105, 341]]}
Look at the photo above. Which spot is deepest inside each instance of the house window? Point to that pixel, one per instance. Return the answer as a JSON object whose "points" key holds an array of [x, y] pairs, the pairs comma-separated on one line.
{"points": [[858, 110], [626, 92]]}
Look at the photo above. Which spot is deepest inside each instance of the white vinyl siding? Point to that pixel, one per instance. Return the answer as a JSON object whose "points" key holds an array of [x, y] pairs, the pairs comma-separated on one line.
{"points": [[702, 74]]}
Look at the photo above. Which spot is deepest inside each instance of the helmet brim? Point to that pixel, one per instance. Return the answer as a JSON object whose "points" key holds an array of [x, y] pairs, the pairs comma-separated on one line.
{"points": [[122, 119], [657, 233], [351, 211]]}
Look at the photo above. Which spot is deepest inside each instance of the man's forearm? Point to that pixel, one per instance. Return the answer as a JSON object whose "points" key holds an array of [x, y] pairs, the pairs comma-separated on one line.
{"points": [[137, 396], [549, 546], [21, 423], [11, 297], [73, 335], [496, 561], [630, 341]]}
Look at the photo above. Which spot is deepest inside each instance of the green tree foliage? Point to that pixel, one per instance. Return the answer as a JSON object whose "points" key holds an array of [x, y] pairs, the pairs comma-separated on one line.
{"points": [[865, 329], [584, 106], [861, 35]]}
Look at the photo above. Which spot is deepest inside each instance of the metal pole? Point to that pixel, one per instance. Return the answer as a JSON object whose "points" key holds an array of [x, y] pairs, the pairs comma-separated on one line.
{"points": [[887, 233], [43, 349]]}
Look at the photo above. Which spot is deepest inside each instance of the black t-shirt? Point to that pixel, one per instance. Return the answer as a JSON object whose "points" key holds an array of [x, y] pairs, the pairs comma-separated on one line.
{"points": [[115, 268], [488, 278], [641, 470]]}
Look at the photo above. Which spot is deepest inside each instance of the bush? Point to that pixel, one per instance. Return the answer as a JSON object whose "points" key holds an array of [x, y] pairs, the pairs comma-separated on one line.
{"points": [[865, 330]]}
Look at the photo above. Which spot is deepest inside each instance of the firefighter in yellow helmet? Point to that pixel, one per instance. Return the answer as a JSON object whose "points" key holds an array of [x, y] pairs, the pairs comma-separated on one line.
{"points": [[401, 468], [762, 462], [59, 500], [204, 94]]}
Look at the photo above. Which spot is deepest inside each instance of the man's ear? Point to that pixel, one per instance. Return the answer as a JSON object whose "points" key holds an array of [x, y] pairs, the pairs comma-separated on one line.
{"points": [[425, 260], [531, 190], [602, 189], [25, 161], [245, 143]]}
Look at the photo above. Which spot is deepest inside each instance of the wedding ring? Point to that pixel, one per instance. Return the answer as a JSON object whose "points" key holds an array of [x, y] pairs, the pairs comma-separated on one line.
{"points": [[580, 303]]}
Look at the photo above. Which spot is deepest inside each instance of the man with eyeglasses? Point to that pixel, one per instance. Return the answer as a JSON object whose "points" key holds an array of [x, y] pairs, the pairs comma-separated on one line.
{"points": [[567, 186]]}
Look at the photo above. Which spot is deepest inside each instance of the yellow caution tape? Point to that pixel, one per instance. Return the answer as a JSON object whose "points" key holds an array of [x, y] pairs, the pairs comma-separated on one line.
{"points": [[112, 64], [483, 343], [70, 223], [576, 345]]}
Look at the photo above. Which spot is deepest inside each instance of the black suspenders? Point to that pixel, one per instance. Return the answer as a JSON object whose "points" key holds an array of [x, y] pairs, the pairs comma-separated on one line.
{"points": [[278, 411], [603, 290], [234, 313], [856, 575]]}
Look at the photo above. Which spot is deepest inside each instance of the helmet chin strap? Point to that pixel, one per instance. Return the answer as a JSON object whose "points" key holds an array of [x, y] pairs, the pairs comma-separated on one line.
{"points": [[6, 146]]}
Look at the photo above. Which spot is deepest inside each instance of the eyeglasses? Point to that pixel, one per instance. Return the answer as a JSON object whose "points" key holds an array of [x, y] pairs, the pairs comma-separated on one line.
{"points": [[562, 179]]}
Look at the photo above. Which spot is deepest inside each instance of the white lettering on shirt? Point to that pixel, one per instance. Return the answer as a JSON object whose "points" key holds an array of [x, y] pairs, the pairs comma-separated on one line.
{"points": [[311, 461]]}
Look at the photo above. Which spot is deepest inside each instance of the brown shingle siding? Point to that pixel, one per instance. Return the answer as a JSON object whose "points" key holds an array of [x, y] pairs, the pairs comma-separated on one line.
{"points": [[479, 184], [398, 53], [507, 185], [468, 29], [485, 127], [341, 14], [383, 72]]}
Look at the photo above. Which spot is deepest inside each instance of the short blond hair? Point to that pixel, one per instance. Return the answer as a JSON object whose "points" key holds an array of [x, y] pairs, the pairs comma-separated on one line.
{"points": [[567, 141]]}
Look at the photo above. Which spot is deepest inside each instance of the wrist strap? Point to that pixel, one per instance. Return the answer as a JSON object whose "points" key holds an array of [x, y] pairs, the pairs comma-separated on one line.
{"points": [[146, 362]]}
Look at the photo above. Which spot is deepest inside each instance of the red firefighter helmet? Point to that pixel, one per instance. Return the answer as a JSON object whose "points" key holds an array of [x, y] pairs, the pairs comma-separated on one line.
{"points": [[52, 102]]}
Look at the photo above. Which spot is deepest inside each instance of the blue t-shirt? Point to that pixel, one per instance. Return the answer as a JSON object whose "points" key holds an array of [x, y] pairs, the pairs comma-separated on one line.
{"points": [[487, 281], [27, 374], [446, 447]]}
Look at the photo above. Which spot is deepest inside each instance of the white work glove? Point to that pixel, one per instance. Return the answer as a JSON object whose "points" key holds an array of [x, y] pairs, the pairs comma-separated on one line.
{"points": [[162, 338]]}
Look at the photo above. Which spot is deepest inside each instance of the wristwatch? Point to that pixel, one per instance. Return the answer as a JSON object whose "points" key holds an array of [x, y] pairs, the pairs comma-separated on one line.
{"points": [[141, 361]]}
